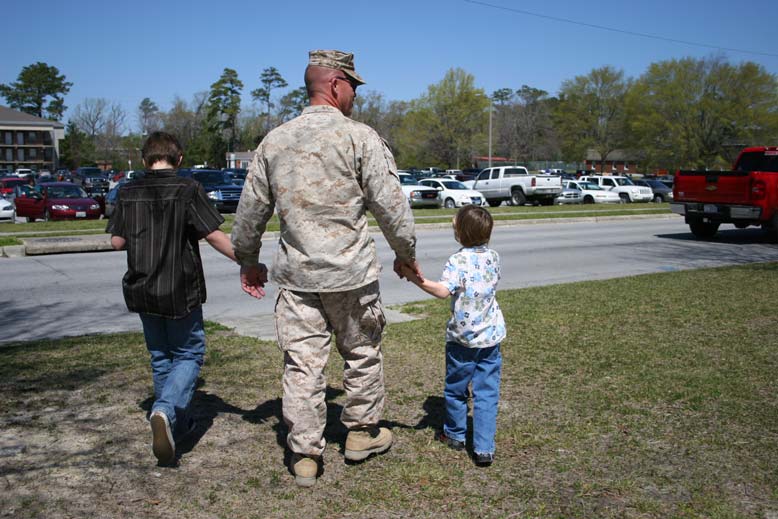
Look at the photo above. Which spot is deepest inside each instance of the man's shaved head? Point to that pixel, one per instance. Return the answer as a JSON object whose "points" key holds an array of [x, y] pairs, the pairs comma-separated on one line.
{"points": [[317, 80]]}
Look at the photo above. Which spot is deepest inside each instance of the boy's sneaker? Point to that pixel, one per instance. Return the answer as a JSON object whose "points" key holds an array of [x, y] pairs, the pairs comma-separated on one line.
{"points": [[451, 442], [305, 469], [162, 443], [362, 442], [484, 459]]}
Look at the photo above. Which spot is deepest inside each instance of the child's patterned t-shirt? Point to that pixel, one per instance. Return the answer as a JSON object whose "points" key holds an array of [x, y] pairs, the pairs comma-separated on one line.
{"points": [[471, 275]]}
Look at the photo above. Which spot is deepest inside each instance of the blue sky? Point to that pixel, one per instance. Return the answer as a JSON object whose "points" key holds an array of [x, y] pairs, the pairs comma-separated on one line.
{"points": [[125, 51]]}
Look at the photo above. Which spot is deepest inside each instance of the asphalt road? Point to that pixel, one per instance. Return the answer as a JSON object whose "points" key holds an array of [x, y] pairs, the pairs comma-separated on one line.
{"points": [[76, 294]]}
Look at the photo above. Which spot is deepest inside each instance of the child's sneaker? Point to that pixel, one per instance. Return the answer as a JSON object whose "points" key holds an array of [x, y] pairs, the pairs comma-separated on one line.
{"points": [[451, 442], [484, 459]]}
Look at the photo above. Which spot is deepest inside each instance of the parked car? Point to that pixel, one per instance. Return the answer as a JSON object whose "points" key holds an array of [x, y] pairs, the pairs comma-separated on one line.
{"points": [[662, 193], [218, 185], [418, 195], [237, 174], [93, 180], [7, 209], [453, 193], [56, 201], [627, 190], [592, 193], [23, 172], [112, 197], [7, 185], [569, 196]]}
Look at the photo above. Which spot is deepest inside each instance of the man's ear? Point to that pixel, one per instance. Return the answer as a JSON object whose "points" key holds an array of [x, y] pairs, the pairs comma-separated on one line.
{"points": [[180, 160], [145, 166]]}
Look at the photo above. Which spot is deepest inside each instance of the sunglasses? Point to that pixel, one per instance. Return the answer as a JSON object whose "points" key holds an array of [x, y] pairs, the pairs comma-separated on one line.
{"points": [[353, 84]]}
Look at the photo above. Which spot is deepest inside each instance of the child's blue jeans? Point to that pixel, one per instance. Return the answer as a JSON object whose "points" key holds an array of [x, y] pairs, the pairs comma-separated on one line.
{"points": [[482, 367], [177, 349]]}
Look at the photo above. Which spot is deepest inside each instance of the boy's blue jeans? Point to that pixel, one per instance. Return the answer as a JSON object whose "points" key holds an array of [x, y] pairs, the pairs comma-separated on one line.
{"points": [[177, 348], [482, 367]]}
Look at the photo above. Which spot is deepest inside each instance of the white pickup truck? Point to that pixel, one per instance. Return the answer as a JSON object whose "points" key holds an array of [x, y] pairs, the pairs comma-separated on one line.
{"points": [[623, 186], [516, 185]]}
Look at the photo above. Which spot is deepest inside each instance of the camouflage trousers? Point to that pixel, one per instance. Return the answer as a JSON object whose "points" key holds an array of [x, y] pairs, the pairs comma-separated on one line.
{"points": [[305, 322]]}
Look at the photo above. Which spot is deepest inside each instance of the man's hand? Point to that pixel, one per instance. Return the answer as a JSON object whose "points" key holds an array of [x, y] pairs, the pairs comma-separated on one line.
{"points": [[253, 279], [413, 266]]}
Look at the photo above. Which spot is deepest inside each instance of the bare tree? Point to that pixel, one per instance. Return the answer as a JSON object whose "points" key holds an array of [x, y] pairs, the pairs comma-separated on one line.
{"points": [[89, 115]]}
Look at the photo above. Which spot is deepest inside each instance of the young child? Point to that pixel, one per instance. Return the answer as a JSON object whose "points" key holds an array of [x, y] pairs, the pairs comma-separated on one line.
{"points": [[159, 219], [473, 333]]}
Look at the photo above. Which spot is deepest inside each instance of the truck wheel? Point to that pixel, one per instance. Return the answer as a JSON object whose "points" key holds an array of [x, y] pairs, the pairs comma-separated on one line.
{"points": [[624, 198], [449, 204], [658, 199], [494, 203], [703, 230], [518, 198]]}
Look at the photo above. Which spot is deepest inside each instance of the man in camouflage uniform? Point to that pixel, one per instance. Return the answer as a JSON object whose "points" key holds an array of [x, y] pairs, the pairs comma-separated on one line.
{"points": [[322, 172]]}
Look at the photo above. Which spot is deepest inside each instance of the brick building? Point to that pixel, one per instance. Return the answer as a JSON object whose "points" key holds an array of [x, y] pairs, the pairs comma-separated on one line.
{"points": [[27, 141]]}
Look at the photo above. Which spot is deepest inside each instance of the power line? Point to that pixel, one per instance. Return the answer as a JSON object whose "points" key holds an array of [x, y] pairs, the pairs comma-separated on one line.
{"points": [[620, 31]]}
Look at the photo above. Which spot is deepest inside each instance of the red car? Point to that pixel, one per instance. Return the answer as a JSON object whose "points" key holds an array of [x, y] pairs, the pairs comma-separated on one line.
{"points": [[56, 201], [7, 184]]}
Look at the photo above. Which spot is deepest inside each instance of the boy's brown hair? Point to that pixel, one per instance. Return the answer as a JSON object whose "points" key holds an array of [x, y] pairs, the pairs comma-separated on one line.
{"points": [[473, 226], [162, 147]]}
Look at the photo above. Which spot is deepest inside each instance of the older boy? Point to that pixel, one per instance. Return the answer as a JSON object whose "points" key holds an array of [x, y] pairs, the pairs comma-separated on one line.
{"points": [[159, 219]]}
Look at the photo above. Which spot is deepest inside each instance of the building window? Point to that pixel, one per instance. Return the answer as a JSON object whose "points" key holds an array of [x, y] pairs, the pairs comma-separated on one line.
{"points": [[9, 138], [20, 155], [20, 138], [33, 154], [9, 155]]}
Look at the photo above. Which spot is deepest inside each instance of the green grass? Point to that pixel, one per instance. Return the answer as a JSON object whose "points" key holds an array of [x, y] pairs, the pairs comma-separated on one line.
{"points": [[73, 227], [647, 396]]}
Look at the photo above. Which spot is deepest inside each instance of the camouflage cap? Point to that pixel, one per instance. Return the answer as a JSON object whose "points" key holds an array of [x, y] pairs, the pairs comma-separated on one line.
{"points": [[337, 60]]}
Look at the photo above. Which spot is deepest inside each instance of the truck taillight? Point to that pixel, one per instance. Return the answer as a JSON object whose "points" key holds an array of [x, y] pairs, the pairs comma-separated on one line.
{"points": [[758, 190], [534, 180]]}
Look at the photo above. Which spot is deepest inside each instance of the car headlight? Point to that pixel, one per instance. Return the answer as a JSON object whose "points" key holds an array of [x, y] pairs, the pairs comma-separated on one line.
{"points": [[6, 208], [94, 206], [213, 195], [415, 194], [60, 207]]}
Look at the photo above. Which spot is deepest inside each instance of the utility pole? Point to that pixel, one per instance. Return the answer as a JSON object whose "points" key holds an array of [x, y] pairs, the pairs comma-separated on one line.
{"points": [[490, 131]]}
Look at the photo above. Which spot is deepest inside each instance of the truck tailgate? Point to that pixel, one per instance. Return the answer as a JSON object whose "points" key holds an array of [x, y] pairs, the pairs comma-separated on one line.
{"points": [[548, 181], [723, 187]]}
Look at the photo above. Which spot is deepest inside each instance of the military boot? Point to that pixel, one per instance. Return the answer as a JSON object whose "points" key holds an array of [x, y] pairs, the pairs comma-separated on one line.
{"points": [[364, 441], [305, 469]]}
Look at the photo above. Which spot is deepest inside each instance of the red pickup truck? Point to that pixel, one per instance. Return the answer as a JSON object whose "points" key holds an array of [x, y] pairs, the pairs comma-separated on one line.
{"points": [[746, 196]]}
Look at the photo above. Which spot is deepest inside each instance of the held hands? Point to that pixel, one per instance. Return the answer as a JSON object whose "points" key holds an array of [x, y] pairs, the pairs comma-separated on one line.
{"points": [[253, 279], [408, 270], [411, 275]]}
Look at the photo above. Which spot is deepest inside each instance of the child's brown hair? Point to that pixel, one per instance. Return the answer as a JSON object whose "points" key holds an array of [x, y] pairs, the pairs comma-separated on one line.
{"points": [[162, 147], [473, 226]]}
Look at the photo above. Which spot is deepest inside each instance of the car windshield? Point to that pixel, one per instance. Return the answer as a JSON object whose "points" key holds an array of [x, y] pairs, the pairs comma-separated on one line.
{"points": [[453, 184], [623, 181], [588, 186], [92, 172], [66, 192], [408, 180], [210, 178]]}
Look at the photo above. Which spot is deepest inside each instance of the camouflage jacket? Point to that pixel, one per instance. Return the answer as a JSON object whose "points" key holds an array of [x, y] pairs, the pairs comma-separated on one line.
{"points": [[322, 172]]}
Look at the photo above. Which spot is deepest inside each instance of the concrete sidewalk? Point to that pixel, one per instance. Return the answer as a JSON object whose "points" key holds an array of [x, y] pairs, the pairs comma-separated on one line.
{"points": [[102, 242]]}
